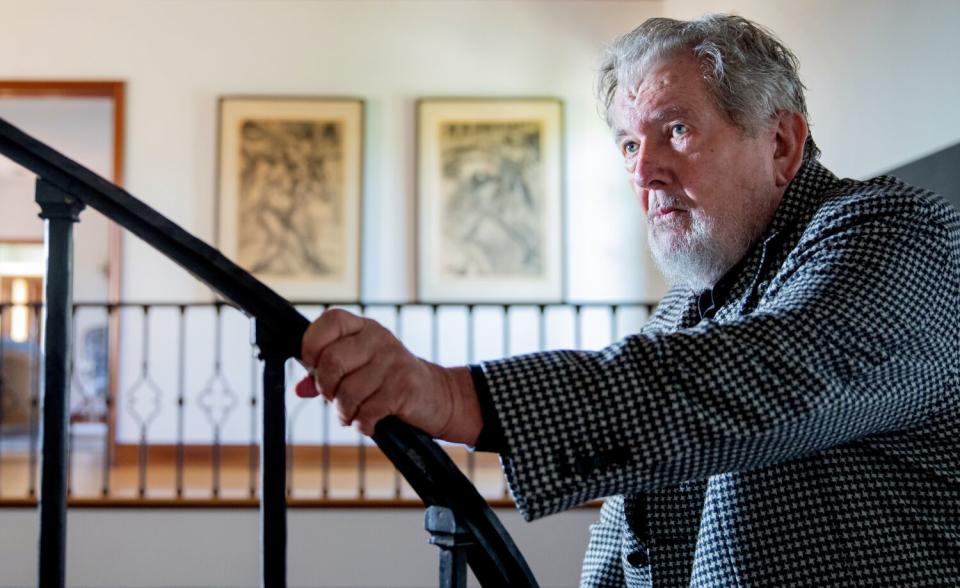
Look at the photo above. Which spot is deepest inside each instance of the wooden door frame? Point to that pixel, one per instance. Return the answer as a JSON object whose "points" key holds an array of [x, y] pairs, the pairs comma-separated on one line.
{"points": [[115, 90]]}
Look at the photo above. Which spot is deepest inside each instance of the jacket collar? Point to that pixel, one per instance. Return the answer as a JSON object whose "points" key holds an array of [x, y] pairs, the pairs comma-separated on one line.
{"points": [[733, 292], [802, 198]]}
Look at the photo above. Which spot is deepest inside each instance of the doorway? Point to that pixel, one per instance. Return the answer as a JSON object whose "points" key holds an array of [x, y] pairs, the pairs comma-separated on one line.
{"points": [[85, 121]]}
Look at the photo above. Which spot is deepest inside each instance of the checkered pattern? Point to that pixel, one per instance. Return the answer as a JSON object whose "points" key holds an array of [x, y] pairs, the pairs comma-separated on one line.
{"points": [[807, 435]]}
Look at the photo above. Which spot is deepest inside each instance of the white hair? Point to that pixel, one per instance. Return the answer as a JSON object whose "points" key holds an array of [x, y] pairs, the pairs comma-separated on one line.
{"points": [[751, 75]]}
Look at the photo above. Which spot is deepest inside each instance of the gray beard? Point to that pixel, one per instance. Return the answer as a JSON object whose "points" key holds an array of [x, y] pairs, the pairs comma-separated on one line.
{"points": [[699, 258]]}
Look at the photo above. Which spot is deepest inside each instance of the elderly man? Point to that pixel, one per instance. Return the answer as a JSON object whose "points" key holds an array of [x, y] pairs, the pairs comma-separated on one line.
{"points": [[788, 417]]}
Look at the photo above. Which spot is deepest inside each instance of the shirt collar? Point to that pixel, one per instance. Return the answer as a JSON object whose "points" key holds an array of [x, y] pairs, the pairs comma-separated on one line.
{"points": [[710, 300]]}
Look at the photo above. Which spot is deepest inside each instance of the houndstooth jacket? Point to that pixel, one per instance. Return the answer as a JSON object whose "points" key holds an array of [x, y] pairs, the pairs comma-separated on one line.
{"points": [[806, 435]]}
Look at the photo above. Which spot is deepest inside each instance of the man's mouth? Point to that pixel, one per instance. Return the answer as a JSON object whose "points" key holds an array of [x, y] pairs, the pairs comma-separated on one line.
{"points": [[665, 212]]}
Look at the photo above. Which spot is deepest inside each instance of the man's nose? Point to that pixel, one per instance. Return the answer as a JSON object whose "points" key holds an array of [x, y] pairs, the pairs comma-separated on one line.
{"points": [[651, 170]]}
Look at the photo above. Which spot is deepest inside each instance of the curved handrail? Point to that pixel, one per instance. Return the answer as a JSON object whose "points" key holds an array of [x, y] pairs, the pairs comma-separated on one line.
{"points": [[495, 559]]}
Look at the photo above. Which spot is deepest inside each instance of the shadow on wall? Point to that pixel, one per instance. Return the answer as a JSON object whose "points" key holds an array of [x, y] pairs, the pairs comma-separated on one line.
{"points": [[939, 172]]}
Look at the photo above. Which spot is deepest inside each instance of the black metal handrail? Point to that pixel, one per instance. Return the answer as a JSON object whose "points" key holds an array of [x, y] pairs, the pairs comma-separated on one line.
{"points": [[64, 186]]}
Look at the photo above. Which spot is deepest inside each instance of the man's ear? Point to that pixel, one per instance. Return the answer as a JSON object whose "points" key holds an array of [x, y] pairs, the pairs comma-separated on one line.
{"points": [[790, 136]]}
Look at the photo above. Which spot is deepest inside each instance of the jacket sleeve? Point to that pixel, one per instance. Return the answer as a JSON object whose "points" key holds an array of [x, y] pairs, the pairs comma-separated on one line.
{"points": [[854, 335]]}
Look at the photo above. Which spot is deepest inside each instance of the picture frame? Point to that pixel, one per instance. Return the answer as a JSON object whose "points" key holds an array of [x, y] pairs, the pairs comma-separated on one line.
{"points": [[489, 200], [289, 193]]}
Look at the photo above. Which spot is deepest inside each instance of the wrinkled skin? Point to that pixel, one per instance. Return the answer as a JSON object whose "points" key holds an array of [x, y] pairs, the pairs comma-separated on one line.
{"points": [[706, 187]]}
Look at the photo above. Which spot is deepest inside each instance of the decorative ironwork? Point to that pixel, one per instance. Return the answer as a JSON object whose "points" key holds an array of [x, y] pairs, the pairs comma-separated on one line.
{"points": [[143, 401], [325, 451], [311, 475], [144, 396], [292, 417], [181, 395], [34, 403], [108, 410], [88, 388], [254, 447], [217, 399], [398, 333], [471, 359]]}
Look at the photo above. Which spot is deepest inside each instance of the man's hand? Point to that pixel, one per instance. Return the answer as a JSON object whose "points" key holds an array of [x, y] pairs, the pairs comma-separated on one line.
{"points": [[369, 374]]}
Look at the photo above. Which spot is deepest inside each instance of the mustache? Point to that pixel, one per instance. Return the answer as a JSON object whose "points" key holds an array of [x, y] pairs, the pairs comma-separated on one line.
{"points": [[664, 200], [658, 200]]}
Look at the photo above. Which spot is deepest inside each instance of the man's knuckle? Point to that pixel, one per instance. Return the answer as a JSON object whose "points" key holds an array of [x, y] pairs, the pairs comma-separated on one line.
{"points": [[344, 412], [335, 314], [347, 402], [330, 368], [368, 422], [308, 347]]}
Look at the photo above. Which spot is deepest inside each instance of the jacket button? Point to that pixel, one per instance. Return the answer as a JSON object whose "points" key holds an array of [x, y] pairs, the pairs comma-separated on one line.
{"points": [[638, 558]]}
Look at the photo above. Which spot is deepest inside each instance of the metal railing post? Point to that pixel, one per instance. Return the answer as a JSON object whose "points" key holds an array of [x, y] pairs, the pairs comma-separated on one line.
{"points": [[453, 541], [59, 211], [273, 480]]}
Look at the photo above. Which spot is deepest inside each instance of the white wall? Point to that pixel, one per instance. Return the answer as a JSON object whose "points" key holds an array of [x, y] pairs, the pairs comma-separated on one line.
{"points": [[881, 93], [881, 75], [179, 56], [218, 548]]}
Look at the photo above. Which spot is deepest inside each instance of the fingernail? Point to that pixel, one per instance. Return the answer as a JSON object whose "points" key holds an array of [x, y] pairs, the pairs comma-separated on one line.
{"points": [[306, 388]]}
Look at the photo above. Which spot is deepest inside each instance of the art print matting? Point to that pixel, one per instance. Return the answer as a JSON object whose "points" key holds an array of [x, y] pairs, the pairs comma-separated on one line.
{"points": [[289, 204], [489, 200]]}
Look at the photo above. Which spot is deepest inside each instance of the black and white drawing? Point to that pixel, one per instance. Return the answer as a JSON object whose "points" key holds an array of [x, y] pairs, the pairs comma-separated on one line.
{"points": [[489, 200], [290, 186], [290, 210], [493, 223]]}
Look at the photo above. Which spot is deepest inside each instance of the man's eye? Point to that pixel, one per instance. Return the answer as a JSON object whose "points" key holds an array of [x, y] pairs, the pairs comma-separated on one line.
{"points": [[678, 130], [629, 148]]}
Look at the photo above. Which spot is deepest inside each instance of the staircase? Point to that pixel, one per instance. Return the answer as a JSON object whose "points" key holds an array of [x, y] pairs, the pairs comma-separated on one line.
{"points": [[463, 526]]}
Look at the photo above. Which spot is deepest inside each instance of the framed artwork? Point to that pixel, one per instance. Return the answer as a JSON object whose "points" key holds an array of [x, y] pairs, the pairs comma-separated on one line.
{"points": [[289, 193], [489, 200]]}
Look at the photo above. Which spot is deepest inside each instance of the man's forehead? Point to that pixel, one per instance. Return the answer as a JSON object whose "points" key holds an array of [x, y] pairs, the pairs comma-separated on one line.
{"points": [[668, 74], [673, 87], [656, 80], [631, 108]]}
